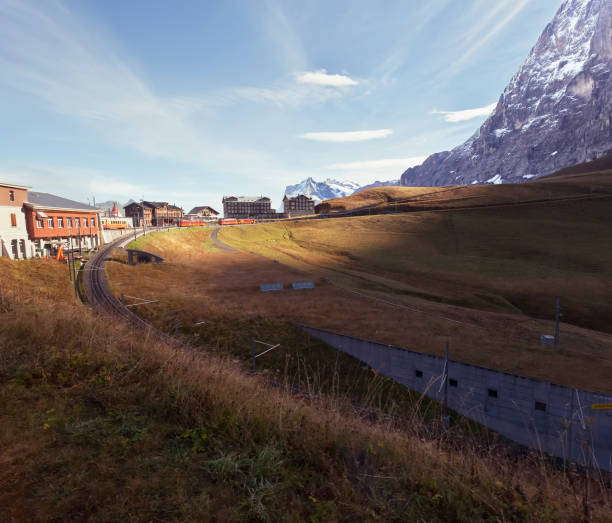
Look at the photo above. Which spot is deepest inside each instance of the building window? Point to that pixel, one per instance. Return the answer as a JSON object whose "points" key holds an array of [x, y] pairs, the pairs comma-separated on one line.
{"points": [[84, 222], [12, 196], [452, 382], [39, 223], [60, 222], [540, 406], [418, 373], [50, 223], [492, 393], [13, 220], [77, 223], [69, 223]]}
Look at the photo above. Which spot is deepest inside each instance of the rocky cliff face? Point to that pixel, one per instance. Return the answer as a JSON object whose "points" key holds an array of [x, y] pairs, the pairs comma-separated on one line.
{"points": [[555, 112]]}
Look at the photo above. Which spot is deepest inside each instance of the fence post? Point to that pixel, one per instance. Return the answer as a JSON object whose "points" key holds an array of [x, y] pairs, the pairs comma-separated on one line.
{"points": [[446, 416], [122, 299], [253, 355], [176, 326], [557, 317]]}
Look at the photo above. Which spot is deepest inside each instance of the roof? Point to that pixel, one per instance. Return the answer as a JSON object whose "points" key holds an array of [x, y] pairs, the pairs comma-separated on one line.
{"points": [[155, 205], [13, 186], [303, 196], [246, 198], [196, 210], [50, 201]]}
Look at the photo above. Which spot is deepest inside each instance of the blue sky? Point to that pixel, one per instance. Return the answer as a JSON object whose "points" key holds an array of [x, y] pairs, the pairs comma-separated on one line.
{"points": [[186, 101]]}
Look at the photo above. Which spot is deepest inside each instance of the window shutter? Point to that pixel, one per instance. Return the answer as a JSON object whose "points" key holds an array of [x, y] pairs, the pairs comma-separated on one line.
{"points": [[13, 219]]}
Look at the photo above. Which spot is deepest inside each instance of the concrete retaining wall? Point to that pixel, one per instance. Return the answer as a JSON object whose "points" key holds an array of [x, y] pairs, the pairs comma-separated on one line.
{"points": [[554, 419]]}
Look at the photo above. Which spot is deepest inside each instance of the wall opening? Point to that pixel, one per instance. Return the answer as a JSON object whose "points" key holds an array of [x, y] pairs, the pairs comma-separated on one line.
{"points": [[452, 382], [492, 393], [418, 373], [540, 406]]}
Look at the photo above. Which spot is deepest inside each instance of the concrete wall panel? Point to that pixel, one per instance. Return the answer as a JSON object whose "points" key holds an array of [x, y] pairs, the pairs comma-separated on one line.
{"points": [[567, 427]]}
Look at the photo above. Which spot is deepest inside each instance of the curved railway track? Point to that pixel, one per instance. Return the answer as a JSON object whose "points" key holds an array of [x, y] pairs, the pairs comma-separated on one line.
{"points": [[100, 295]]}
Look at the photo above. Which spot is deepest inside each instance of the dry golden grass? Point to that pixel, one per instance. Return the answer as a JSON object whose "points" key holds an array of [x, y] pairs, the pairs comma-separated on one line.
{"points": [[487, 279], [379, 199], [100, 423]]}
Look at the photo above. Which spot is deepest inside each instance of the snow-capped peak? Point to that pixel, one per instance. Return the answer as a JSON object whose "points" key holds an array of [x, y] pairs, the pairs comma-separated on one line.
{"points": [[320, 191]]}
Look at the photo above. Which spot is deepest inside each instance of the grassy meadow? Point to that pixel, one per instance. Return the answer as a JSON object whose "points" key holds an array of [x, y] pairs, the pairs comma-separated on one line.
{"points": [[100, 423], [487, 278]]}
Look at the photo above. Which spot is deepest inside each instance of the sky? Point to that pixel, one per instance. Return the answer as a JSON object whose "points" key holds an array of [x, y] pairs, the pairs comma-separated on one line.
{"points": [[187, 101]]}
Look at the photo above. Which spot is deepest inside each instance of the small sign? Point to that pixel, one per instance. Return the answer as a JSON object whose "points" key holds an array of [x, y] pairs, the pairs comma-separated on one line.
{"points": [[268, 287], [547, 339], [601, 406], [297, 285]]}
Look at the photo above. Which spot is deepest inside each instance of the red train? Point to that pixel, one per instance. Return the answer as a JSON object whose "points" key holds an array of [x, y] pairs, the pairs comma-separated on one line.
{"points": [[193, 223], [235, 221]]}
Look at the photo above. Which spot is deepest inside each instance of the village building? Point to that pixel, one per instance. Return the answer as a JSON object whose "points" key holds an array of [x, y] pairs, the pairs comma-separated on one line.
{"points": [[298, 205], [14, 240], [205, 212], [153, 214], [141, 215], [247, 207], [54, 222]]}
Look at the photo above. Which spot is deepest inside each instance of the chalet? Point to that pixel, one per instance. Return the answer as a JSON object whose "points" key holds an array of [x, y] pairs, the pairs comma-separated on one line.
{"points": [[153, 214], [203, 212]]}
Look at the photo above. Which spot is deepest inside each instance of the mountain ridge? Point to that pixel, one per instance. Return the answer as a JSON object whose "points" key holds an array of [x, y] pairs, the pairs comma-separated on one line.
{"points": [[555, 111]]}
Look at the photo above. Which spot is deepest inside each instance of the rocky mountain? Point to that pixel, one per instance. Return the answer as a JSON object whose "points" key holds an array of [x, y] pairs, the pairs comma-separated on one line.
{"points": [[320, 191], [555, 112]]}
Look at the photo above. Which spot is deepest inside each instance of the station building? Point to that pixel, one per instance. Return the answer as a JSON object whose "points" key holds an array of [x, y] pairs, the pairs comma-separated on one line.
{"points": [[53, 221], [14, 240]]}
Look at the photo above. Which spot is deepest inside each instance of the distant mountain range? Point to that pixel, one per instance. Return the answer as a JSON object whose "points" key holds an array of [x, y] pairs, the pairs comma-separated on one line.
{"points": [[320, 191], [329, 189], [555, 112]]}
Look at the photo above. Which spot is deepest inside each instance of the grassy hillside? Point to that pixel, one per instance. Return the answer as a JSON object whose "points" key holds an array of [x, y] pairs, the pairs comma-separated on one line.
{"points": [[99, 423], [568, 184], [493, 273]]}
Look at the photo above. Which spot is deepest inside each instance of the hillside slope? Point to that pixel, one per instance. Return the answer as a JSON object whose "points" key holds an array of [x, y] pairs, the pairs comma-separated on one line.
{"points": [[101, 424]]}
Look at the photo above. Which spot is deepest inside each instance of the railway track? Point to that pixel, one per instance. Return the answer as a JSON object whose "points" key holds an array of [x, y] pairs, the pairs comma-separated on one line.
{"points": [[101, 297]]}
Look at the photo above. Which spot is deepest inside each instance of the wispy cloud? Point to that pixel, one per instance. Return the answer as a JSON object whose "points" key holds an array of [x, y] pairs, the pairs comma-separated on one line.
{"points": [[74, 70], [321, 77], [368, 171], [400, 163], [304, 88], [466, 114], [347, 136], [293, 95], [489, 20]]}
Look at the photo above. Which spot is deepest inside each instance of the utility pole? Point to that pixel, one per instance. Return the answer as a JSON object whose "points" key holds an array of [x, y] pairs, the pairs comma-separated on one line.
{"points": [[557, 318], [446, 418]]}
